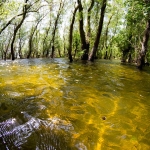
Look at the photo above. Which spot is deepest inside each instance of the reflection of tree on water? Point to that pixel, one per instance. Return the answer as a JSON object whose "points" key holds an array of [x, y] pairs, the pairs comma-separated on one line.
{"points": [[37, 134]]}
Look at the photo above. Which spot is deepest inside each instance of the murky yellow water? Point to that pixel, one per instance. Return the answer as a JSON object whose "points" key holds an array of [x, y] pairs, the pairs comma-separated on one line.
{"points": [[51, 104]]}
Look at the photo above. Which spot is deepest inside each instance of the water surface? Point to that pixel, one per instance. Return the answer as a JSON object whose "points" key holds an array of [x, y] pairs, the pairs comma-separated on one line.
{"points": [[52, 104]]}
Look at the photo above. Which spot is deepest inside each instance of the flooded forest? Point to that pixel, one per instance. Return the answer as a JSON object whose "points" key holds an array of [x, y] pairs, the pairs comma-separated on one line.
{"points": [[74, 75]]}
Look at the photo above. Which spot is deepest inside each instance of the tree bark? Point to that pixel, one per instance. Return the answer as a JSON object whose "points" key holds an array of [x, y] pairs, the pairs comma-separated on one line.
{"points": [[96, 43], [70, 35], [142, 53]]}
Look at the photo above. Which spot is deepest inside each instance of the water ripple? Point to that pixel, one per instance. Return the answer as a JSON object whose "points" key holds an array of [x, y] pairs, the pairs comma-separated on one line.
{"points": [[50, 134]]}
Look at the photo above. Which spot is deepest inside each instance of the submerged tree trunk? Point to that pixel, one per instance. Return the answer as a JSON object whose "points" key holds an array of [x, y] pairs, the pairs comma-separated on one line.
{"points": [[142, 53], [70, 35], [88, 35], [96, 43]]}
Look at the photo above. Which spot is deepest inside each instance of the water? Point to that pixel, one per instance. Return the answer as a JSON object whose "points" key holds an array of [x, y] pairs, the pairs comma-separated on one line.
{"points": [[52, 104]]}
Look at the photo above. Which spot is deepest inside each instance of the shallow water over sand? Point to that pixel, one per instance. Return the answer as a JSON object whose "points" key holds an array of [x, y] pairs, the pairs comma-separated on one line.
{"points": [[51, 104]]}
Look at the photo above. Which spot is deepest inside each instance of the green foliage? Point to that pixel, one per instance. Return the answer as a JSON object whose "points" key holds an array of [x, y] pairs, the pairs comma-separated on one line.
{"points": [[8, 8]]}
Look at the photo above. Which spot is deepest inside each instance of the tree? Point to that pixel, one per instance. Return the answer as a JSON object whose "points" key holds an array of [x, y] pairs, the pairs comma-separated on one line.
{"points": [[106, 37], [85, 41], [84, 46], [47, 38], [5, 11], [143, 51], [70, 34], [17, 27], [144, 44], [98, 35], [33, 29], [76, 43], [5, 44], [21, 41], [61, 5]]}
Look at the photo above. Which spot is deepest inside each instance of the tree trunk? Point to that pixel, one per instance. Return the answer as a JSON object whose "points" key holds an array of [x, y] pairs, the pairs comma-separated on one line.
{"points": [[59, 52], [86, 51], [84, 45], [112, 37], [30, 41], [106, 55], [53, 49], [89, 21], [64, 46], [47, 52], [76, 47], [105, 45], [45, 47], [55, 28], [16, 30], [70, 35], [130, 58], [96, 43], [31, 37], [142, 53], [19, 51], [30, 45], [6, 49], [21, 44]]}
